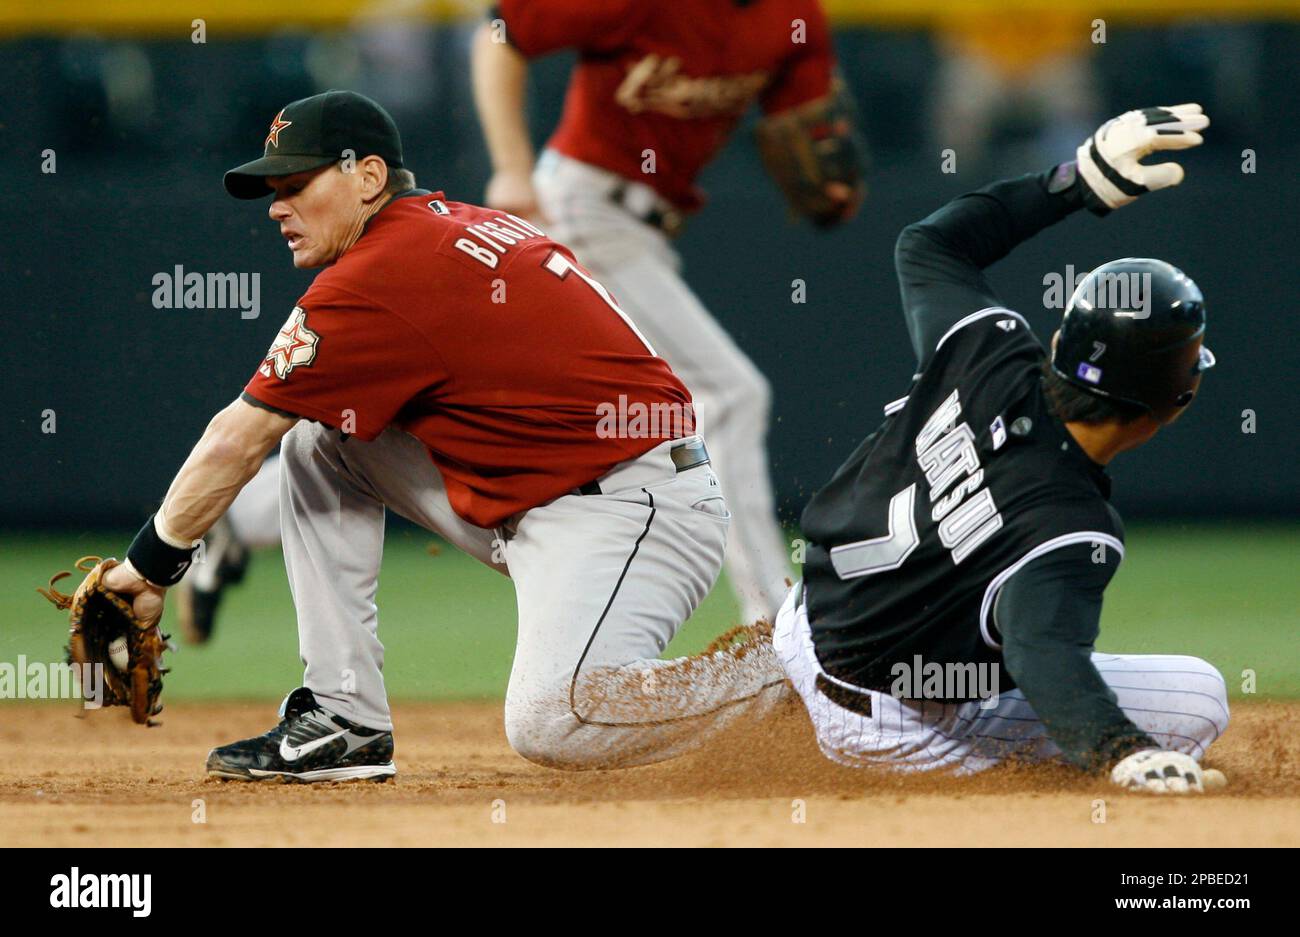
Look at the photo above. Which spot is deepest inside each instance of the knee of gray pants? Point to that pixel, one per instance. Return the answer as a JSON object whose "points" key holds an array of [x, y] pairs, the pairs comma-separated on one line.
{"points": [[547, 733]]}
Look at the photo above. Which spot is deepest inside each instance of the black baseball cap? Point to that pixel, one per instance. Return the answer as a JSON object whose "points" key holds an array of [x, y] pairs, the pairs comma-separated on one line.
{"points": [[314, 132]]}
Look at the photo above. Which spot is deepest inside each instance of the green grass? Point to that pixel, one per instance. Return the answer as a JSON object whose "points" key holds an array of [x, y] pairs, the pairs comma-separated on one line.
{"points": [[1228, 594]]}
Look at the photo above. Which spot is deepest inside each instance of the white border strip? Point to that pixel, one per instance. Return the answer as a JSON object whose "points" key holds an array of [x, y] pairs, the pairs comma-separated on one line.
{"points": [[1065, 540], [974, 316]]}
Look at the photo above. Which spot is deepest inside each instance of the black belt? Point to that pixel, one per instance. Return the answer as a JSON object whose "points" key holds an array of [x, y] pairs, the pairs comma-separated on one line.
{"points": [[843, 697], [855, 701], [687, 456], [668, 220]]}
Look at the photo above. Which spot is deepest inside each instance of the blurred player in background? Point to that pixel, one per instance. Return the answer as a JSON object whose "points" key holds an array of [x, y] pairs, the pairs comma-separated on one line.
{"points": [[1012, 89], [656, 92], [972, 531]]}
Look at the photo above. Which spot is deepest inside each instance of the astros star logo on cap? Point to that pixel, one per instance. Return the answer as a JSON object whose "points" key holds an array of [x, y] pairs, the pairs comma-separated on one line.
{"points": [[273, 138]]}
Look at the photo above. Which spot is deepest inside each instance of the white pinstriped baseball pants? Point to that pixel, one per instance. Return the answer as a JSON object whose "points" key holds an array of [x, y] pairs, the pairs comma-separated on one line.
{"points": [[1179, 701]]}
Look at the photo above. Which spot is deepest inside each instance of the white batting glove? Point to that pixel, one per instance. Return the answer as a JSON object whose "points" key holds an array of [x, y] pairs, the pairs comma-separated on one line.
{"points": [[1159, 772], [1108, 160]]}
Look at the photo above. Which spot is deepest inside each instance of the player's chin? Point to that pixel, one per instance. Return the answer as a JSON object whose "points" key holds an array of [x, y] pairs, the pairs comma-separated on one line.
{"points": [[305, 258]]}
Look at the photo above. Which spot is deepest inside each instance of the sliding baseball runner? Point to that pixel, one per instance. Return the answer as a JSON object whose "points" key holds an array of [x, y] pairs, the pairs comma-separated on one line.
{"points": [[953, 588]]}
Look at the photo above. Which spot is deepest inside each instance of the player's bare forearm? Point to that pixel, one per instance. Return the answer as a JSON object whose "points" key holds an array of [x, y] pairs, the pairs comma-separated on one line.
{"points": [[225, 459], [228, 455], [500, 78]]}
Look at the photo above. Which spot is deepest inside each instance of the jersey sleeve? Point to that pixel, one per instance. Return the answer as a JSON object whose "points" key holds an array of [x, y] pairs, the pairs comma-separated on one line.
{"points": [[1049, 616], [536, 27], [345, 362], [940, 260], [806, 74]]}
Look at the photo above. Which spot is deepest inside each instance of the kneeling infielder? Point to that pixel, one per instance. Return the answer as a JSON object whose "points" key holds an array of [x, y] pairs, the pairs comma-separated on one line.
{"points": [[970, 535], [657, 90], [456, 365]]}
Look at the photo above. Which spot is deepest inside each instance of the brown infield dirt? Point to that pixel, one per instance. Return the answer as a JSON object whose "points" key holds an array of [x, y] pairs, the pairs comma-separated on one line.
{"points": [[100, 780]]}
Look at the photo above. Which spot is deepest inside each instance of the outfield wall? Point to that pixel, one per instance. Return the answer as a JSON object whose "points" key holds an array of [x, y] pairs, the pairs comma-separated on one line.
{"points": [[137, 191]]}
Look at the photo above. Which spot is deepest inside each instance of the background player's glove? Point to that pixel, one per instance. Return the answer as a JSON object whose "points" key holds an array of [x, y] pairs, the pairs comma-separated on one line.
{"points": [[815, 154], [1108, 160], [1159, 771], [104, 630]]}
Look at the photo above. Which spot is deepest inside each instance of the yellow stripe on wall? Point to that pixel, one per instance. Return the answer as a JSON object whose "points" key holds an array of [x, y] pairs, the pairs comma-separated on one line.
{"points": [[925, 12], [228, 18], [223, 18]]}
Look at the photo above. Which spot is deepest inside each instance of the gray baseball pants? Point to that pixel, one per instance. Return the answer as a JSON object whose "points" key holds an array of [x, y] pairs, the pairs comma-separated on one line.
{"points": [[603, 582]]}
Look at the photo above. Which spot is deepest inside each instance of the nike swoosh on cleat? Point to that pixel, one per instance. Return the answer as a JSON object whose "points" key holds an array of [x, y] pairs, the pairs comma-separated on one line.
{"points": [[291, 753], [359, 741]]}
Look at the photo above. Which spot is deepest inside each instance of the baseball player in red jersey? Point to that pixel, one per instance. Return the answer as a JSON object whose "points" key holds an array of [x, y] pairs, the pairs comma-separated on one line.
{"points": [[456, 365], [657, 90]]}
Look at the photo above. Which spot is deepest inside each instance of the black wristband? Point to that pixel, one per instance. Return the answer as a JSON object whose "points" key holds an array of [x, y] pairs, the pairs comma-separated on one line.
{"points": [[1065, 183], [155, 559], [1064, 180]]}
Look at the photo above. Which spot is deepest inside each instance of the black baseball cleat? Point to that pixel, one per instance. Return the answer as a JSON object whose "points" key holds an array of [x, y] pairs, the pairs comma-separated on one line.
{"points": [[309, 744], [225, 558]]}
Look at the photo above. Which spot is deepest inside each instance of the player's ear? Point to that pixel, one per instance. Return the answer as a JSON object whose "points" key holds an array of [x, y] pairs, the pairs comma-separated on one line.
{"points": [[374, 177]]}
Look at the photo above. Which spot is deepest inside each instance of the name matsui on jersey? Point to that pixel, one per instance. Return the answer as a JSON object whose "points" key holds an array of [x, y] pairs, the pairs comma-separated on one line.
{"points": [[962, 506]]}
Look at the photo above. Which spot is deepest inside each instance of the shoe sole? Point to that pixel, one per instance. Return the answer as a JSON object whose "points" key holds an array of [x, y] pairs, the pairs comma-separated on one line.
{"points": [[380, 773]]}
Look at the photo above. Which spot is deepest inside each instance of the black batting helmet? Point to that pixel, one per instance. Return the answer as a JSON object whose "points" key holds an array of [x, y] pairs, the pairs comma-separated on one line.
{"points": [[1133, 332]]}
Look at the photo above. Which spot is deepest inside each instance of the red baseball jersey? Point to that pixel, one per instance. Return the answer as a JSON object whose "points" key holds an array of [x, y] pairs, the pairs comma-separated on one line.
{"points": [[672, 78], [477, 334]]}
